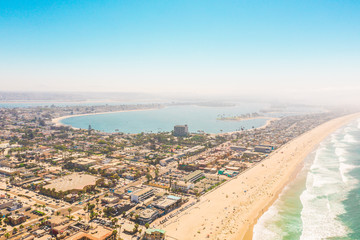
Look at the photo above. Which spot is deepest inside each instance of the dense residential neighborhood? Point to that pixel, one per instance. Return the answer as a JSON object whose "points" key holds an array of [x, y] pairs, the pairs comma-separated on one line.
{"points": [[64, 183]]}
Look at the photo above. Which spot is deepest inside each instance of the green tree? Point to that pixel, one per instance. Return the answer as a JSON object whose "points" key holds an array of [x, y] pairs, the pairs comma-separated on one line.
{"points": [[69, 210]]}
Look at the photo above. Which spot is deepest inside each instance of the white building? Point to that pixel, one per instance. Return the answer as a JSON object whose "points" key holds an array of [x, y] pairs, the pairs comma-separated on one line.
{"points": [[142, 194]]}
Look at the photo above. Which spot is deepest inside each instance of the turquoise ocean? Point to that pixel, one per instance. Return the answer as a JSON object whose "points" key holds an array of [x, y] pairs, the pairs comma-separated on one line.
{"points": [[323, 202]]}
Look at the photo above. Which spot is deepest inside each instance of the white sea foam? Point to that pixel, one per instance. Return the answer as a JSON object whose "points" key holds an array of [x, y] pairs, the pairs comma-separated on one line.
{"points": [[348, 129], [333, 139], [264, 229], [319, 215], [344, 170], [340, 151], [327, 185], [349, 138]]}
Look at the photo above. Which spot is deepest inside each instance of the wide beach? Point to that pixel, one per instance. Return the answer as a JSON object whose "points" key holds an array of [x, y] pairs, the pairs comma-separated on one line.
{"points": [[230, 211]]}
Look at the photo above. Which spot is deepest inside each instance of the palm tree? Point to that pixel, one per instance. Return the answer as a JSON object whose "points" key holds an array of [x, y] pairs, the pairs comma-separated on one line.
{"points": [[69, 210], [97, 202], [136, 227], [156, 173]]}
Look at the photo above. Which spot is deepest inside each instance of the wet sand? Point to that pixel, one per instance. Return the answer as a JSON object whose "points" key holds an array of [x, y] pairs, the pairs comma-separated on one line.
{"points": [[230, 211]]}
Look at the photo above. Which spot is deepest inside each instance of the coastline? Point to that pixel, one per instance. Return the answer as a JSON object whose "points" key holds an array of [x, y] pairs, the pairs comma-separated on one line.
{"points": [[57, 121], [231, 211], [248, 235], [242, 119], [249, 230], [268, 122]]}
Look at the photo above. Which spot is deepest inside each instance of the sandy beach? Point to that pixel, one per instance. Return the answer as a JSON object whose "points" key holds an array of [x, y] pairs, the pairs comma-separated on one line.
{"points": [[230, 211]]}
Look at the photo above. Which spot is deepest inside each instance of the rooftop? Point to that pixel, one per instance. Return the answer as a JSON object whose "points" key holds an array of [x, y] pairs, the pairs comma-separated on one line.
{"points": [[151, 230], [193, 174], [147, 213], [142, 191], [72, 182]]}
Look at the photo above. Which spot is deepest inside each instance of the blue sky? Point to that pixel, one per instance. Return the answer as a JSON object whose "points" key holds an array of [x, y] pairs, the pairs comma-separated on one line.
{"points": [[181, 46]]}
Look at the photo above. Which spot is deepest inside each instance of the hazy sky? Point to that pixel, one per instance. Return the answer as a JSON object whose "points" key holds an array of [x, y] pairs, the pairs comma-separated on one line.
{"points": [[181, 46]]}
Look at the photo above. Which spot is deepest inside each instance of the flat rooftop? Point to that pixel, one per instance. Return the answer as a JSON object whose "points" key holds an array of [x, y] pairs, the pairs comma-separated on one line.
{"points": [[84, 161], [193, 174], [142, 191], [72, 182]]}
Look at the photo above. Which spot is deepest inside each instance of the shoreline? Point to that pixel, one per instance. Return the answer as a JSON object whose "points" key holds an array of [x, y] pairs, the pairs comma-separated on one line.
{"points": [[58, 123], [231, 211], [268, 122], [249, 231], [241, 119], [248, 235]]}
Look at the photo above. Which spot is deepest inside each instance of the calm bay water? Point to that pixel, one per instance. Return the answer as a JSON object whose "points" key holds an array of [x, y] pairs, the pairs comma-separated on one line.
{"points": [[198, 118], [159, 120], [324, 200], [30, 104]]}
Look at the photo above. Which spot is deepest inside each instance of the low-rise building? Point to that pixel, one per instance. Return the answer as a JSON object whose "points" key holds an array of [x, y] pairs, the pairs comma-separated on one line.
{"points": [[5, 203], [148, 215], [263, 149], [8, 171], [238, 148], [142, 194], [97, 233], [17, 219], [194, 176], [182, 186], [167, 203], [110, 200], [154, 234], [57, 220], [83, 163]]}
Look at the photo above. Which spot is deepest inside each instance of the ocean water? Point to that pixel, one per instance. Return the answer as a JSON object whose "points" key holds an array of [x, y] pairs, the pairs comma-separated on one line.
{"points": [[29, 104], [323, 202], [159, 120]]}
